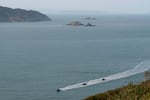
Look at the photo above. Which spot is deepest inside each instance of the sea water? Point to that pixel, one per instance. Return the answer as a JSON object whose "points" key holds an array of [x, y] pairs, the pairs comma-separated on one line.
{"points": [[38, 58]]}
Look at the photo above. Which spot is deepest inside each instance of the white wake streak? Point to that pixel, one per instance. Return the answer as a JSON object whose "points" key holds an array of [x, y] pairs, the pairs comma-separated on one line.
{"points": [[142, 67]]}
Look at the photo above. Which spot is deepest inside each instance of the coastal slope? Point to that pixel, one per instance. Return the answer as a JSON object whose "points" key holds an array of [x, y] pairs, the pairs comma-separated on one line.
{"points": [[21, 15], [130, 92]]}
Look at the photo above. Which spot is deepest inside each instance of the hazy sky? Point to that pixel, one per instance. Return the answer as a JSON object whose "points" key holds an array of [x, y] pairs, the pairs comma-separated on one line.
{"points": [[111, 6]]}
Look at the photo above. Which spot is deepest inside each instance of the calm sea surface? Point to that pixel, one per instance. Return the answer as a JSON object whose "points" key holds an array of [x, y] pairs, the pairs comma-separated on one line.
{"points": [[38, 58]]}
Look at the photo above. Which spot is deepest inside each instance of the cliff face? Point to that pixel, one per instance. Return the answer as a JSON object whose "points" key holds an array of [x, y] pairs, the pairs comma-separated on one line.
{"points": [[20, 15]]}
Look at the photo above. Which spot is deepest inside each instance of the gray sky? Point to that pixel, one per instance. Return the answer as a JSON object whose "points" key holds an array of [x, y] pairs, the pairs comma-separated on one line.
{"points": [[111, 6]]}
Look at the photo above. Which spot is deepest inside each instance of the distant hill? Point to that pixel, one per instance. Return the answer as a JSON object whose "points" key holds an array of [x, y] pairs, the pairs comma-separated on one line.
{"points": [[21, 15]]}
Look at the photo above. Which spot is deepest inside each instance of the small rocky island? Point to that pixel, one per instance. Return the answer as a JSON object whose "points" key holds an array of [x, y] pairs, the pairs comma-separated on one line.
{"points": [[77, 23], [89, 24], [21, 15], [90, 18]]}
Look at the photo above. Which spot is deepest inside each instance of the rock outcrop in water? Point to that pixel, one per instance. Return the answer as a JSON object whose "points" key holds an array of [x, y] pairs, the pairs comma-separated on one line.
{"points": [[21, 15], [89, 24], [77, 23], [90, 18]]}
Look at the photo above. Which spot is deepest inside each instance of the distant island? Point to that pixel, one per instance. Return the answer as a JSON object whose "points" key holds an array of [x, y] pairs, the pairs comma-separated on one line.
{"points": [[77, 23], [90, 18], [21, 15]]}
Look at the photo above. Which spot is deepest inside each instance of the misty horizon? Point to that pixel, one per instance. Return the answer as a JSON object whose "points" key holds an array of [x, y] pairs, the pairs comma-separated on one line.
{"points": [[111, 6]]}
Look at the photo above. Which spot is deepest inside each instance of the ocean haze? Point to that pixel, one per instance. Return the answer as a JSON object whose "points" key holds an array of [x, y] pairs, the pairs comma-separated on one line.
{"points": [[112, 6]]}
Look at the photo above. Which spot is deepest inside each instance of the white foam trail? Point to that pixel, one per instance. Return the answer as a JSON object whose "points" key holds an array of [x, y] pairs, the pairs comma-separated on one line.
{"points": [[142, 67]]}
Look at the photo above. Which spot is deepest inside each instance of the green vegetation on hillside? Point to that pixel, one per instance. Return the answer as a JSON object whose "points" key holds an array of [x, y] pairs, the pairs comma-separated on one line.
{"points": [[130, 92]]}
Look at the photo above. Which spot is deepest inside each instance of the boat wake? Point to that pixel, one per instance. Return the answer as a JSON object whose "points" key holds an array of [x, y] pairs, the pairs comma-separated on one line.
{"points": [[142, 67]]}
